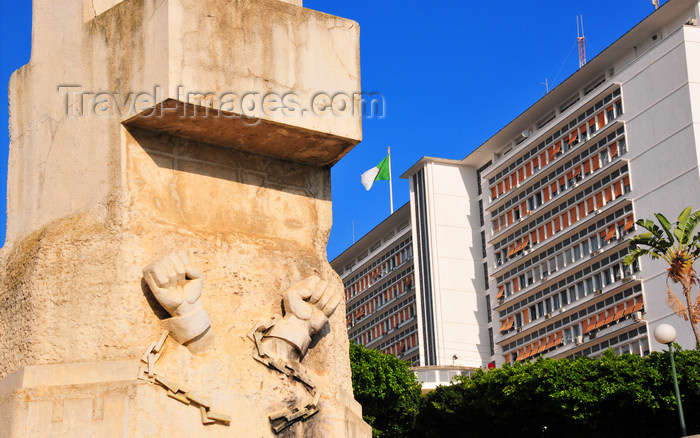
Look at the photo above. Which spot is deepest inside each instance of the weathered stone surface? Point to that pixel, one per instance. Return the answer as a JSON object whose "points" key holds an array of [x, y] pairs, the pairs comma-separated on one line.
{"points": [[93, 200], [85, 77]]}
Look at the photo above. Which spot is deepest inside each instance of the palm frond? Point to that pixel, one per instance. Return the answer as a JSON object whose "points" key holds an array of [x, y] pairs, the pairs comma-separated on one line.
{"points": [[696, 311], [683, 217], [651, 226], [688, 226], [693, 240], [675, 304], [635, 253], [666, 225]]}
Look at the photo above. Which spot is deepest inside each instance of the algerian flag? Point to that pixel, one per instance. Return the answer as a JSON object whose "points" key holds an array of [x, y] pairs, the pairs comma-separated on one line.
{"points": [[380, 172]]}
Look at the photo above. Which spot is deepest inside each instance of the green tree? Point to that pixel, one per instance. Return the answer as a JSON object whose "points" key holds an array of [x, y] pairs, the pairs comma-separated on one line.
{"points": [[614, 396], [388, 392], [679, 245]]}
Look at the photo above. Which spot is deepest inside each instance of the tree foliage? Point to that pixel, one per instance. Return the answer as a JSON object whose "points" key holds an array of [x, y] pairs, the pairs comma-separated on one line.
{"points": [[678, 244], [388, 392], [614, 396]]}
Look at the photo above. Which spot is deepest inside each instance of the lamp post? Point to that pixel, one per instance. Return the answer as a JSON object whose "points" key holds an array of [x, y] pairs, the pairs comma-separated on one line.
{"points": [[666, 334]]}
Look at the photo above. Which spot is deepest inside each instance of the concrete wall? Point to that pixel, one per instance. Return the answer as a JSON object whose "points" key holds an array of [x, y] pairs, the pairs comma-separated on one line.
{"points": [[456, 265]]}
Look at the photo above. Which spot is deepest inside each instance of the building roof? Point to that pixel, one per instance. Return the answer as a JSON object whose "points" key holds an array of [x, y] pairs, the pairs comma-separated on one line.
{"points": [[376, 234]]}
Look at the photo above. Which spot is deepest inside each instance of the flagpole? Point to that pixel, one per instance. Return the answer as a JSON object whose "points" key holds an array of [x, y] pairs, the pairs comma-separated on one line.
{"points": [[391, 190]]}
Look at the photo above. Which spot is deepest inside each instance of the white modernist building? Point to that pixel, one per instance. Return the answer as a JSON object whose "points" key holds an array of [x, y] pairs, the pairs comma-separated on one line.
{"points": [[518, 247]]}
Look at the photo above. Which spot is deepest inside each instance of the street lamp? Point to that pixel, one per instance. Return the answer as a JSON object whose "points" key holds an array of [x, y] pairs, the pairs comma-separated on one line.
{"points": [[666, 334]]}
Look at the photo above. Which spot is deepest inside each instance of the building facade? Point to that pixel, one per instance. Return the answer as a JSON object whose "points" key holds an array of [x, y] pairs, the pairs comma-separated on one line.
{"points": [[518, 247], [378, 275], [548, 205]]}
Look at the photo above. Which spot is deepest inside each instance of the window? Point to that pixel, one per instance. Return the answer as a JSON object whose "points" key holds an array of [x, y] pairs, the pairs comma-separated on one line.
{"points": [[516, 213], [530, 277], [488, 309], [538, 199], [533, 313], [581, 290], [576, 330], [608, 276], [518, 320], [598, 281], [618, 108], [619, 272], [568, 336], [564, 298], [560, 260]]}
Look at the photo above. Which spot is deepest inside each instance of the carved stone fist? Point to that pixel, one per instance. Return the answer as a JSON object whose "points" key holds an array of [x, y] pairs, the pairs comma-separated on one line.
{"points": [[307, 305], [177, 286]]}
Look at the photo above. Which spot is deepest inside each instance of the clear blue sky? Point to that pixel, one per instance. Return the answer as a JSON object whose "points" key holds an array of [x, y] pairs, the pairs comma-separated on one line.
{"points": [[452, 74]]}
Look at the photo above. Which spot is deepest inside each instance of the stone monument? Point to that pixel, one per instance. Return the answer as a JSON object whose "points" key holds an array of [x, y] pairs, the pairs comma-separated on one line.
{"points": [[164, 272]]}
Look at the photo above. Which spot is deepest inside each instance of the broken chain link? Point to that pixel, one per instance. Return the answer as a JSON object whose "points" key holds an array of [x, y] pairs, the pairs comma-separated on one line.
{"points": [[175, 390], [282, 419]]}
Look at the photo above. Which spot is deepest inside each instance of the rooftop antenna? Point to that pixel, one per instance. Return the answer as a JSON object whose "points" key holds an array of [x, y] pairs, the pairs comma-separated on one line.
{"points": [[581, 38], [655, 3], [546, 85]]}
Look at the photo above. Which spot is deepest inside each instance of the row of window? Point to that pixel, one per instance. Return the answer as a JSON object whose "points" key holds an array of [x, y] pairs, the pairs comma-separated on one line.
{"points": [[581, 249], [572, 334], [363, 279], [617, 135], [603, 222], [578, 130], [538, 347], [366, 338], [380, 318], [595, 283], [589, 280], [388, 324], [572, 318], [594, 201], [399, 283], [557, 186], [637, 346], [612, 315], [402, 346]]}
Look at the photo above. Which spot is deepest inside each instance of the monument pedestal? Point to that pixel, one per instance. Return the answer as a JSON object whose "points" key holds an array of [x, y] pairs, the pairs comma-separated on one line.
{"points": [[132, 137], [102, 399]]}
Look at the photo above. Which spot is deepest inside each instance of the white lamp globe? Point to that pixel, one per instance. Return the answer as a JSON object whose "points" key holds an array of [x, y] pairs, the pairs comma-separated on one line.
{"points": [[665, 333]]}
